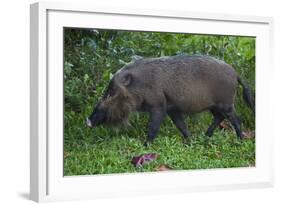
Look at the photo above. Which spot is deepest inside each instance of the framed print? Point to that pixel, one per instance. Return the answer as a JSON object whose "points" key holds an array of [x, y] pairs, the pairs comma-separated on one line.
{"points": [[127, 102]]}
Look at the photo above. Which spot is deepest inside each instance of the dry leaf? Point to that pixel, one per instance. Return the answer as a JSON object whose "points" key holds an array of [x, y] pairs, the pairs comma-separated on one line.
{"points": [[248, 134], [164, 167], [66, 154], [225, 125]]}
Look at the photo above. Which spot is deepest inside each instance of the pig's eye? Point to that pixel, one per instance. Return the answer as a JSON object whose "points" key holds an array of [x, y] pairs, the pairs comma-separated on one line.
{"points": [[111, 92]]}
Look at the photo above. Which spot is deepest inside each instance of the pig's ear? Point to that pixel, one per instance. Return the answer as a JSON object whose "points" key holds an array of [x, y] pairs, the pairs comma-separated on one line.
{"points": [[127, 79]]}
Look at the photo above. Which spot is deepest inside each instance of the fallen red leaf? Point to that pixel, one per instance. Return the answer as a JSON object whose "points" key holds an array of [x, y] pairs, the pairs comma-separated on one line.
{"points": [[138, 161]]}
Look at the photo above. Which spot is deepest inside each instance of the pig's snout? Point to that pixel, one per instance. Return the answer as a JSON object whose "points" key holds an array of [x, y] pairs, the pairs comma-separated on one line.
{"points": [[88, 122], [96, 118]]}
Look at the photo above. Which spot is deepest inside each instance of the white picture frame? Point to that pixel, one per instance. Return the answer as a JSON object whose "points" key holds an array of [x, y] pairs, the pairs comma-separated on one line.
{"points": [[47, 182]]}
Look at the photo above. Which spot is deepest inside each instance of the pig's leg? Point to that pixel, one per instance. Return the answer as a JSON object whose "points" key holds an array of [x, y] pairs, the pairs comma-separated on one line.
{"points": [[218, 118], [156, 118], [235, 121], [178, 120], [231, 115]]}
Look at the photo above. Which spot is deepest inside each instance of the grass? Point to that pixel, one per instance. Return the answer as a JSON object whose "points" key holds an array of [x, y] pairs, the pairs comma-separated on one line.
{"points": [[92, 56], [104, 150]]}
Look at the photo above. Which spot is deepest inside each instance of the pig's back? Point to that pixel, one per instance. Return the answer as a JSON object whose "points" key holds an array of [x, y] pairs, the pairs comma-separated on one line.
{"points": [[194, 83]]}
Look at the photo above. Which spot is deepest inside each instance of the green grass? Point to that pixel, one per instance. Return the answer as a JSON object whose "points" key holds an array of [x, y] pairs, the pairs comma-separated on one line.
{"points": [[104, 150], [91, 56]]}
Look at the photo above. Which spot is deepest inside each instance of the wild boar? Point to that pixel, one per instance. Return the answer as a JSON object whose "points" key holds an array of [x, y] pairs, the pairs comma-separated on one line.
{"points": [[174, 86]]}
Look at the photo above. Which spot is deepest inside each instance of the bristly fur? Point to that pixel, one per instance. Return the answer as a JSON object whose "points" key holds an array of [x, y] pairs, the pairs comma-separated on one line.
{"points": [[173, 86], [118, 107]]}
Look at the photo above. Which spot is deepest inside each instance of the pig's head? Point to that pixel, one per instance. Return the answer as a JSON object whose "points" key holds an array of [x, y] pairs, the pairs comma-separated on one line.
{"points": [[116, 104]]}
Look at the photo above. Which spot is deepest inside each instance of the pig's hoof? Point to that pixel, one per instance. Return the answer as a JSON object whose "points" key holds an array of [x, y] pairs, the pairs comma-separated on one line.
{"points": [[187, 140], [146, 144]]}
